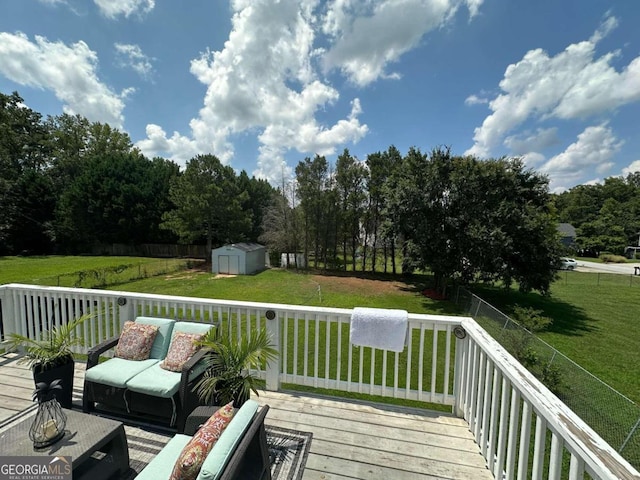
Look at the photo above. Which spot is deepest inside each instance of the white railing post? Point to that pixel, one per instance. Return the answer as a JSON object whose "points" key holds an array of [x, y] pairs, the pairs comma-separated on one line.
{"points": [[9, 317], [459, 374], [273, 368]]}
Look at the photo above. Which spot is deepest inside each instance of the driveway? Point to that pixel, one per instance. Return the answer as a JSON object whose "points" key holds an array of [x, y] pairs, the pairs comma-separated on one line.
{"points": [[619, 268]]}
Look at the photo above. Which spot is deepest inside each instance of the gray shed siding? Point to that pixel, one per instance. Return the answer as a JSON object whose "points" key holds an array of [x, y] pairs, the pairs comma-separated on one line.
{"points": [[238, 259]]}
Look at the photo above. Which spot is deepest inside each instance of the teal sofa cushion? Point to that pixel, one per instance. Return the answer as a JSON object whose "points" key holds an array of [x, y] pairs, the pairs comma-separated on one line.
{"points": [[163, 338], [223, 449], [192, 327], [155, 381], [116, 372], [162, 464]]}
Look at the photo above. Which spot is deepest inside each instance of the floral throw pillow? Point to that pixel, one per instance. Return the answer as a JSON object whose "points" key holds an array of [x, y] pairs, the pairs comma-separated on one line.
{"points": [[135, 341], [190, 461], [183, 346]]}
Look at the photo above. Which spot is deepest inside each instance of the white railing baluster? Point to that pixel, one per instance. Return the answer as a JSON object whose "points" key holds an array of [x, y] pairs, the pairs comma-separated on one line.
{"points": [[327, 359], [305, 365], [447, 361], [372, 371], [512, 442], [434, 362], [316, 353], [539, 448], [525, 435], [486, 406], [478, 416], [576, 468], [384, 371], [498, 467], [555, 458], [409, 355], [421, 360], [339, 351]]}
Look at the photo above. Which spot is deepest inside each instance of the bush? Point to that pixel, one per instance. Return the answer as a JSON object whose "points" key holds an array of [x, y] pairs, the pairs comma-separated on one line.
{"points": [[611, 258]]}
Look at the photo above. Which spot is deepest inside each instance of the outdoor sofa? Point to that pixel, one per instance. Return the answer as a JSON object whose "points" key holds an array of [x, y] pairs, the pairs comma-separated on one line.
{"points": [[141, 388], [241, 452]]}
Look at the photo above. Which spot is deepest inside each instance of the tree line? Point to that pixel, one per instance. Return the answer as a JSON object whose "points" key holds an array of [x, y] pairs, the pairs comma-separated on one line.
{"points": [[458, 217], [606, 215], [67, 184]]}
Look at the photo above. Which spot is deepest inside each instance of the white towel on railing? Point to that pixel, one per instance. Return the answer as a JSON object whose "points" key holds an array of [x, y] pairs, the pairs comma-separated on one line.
{"points": [[379, 328]]}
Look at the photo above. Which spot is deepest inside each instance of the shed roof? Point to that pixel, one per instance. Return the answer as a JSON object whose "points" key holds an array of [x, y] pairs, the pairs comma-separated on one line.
{"points": [[245, 246]]}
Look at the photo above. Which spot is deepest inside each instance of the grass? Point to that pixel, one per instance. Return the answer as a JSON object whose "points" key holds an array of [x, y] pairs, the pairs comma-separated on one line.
{"points": [[594, 325], [60, 270], [300, 288]]}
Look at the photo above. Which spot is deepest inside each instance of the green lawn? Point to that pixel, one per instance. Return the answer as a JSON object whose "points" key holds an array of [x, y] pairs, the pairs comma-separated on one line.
{"points": [[594, 325], [296, 288], [85, 271]]}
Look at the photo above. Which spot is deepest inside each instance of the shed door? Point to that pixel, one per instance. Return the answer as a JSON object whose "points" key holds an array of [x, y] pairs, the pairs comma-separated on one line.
{"points": [[223, 263], [229, 264], [234, 264]]}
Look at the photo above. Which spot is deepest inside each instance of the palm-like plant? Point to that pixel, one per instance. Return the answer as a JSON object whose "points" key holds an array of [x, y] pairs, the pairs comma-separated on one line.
{"points": [[229, 376], [54, 347]]}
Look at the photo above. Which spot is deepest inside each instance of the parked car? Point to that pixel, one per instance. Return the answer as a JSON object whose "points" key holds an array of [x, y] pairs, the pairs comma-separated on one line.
{"points": [[568, 264]]}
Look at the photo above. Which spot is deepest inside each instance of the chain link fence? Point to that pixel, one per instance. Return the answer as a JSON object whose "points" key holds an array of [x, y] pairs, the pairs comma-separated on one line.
{"points": [[612, 415], [598, 279], [114, 275]]}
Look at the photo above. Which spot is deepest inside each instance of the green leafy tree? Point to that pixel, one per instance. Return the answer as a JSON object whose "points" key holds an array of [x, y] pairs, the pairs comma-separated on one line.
{"points": [[26, 206], [208, 204], [465, 219], [312, 178], [350, 183], [260, 195], [117, 198]]}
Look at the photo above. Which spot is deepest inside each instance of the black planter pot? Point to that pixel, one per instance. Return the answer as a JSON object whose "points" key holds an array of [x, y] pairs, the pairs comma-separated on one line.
{"points": [[64, 372]]}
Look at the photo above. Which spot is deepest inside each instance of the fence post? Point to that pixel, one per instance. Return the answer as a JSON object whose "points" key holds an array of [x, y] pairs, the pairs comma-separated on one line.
{"points": [[9, 316], [626, 440], [273, 367]]}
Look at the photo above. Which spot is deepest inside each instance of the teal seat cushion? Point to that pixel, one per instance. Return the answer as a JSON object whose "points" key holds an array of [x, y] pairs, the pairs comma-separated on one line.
{"points": [[155, 381], [192, 327], [162, 464], [117, 371], [225, 446], [163, 338]]}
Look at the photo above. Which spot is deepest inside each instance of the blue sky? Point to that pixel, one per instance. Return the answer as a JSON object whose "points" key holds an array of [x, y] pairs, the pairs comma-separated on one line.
{"points": [[263, 84]]}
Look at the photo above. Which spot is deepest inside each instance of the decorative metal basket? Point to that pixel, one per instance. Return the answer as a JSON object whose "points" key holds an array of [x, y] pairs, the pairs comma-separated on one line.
{"points": [[50, 420]]}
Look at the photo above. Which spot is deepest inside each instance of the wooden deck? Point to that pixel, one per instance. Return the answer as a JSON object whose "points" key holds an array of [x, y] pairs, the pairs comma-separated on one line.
{"points": [[351, 440]]}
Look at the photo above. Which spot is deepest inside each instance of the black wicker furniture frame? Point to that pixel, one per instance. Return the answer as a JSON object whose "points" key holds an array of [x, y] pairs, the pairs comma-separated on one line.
{"points": [[170, 412]]}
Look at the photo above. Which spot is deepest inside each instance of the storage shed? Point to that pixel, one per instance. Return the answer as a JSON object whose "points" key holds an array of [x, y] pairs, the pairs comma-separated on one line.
{"points": [[238, 258]]}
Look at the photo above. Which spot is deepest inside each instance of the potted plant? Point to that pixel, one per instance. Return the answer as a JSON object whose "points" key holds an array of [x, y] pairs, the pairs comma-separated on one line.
{"points": [[228, 376], [51, 356]]}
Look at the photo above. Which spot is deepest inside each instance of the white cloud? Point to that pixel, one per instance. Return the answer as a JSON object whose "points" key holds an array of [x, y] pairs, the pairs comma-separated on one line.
{"points": [[69, 71], [264, 81], [527, 142], [593, 181], [368, 36], [132, 56], [475, 100], [157, 144], [572, 84], [594, 149], [112, 8], [532, 159], [633, 167]]}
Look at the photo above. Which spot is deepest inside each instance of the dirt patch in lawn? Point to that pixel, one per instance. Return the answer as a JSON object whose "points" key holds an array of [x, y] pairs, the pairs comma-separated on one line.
{"points": [[346, 283]]}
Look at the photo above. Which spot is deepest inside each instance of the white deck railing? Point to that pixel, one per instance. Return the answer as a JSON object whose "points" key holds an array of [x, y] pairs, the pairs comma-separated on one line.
{"points": [[502, 402]]}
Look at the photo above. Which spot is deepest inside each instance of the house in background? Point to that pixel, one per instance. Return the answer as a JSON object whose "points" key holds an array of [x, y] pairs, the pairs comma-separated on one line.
{"points": [[567, 235], [239, 258]]}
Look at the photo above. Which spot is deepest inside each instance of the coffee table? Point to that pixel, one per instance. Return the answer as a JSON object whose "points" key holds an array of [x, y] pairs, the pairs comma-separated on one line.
{"points": [[97, 446]]}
